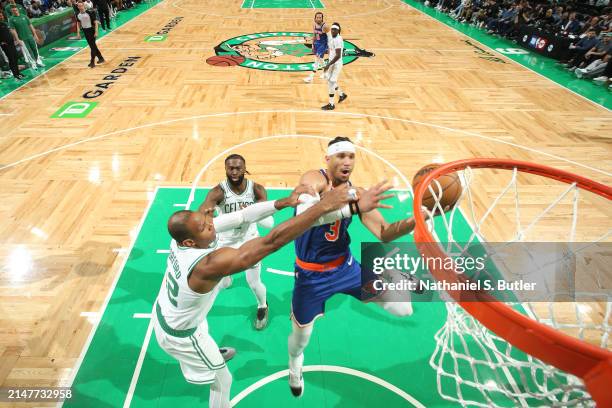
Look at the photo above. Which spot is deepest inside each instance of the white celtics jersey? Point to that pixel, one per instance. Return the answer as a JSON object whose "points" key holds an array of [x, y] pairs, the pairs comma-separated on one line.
{"points": [[334, 43], [181, 307], [235, 202]]}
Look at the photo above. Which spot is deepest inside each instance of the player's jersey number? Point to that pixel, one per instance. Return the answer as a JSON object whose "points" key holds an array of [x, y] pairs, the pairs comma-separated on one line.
{"points": [[173, 288], [334, 231]]}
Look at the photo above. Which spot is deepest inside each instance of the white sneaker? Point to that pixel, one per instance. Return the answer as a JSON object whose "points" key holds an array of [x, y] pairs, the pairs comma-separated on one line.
{"points": [[296, 384], [227, 353], [579, 72], [309, 79], [601, 79]]}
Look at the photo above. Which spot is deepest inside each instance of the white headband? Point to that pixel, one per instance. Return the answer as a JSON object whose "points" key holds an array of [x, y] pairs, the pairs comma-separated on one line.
{"points": [[340, 147], [335, 26]]}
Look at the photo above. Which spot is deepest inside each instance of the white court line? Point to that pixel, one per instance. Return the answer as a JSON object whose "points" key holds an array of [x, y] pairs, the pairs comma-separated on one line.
{"points": [[7, 114], [179, 205], [78, 52], [265, 16], [312, 5], [279, 272], [90, 314], [77, 366], [162, 251], [333, 369], [505, 56], [141, 356], [142, 315], [350, 114]]}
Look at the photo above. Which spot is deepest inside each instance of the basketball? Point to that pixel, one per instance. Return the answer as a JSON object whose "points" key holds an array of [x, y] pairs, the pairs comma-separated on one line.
{"points": [[449, 184], [225, 60]]}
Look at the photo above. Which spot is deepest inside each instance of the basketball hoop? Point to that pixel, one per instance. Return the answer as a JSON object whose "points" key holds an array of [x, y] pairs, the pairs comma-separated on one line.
{"points": [[554, 357]]}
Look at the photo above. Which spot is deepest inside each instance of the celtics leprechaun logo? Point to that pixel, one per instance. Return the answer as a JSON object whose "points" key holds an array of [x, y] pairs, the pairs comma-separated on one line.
{"points": [[275, 51]]}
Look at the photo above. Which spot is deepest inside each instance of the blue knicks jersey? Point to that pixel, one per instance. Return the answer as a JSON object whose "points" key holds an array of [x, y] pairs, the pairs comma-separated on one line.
{"points": [[320, 37], [324, 243]]}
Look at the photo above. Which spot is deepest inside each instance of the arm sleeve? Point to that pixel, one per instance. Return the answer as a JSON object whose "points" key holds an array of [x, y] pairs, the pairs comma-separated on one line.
{"points": [[248, 215], [307, 201]]}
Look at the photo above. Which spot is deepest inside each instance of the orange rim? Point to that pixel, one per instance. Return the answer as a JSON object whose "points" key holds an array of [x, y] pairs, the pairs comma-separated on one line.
{"points": [[591, 363]]}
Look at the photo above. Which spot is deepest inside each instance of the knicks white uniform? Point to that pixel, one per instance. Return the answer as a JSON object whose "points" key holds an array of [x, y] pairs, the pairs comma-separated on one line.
{"points": [[235, 202], [333, 43], [179, 317]]}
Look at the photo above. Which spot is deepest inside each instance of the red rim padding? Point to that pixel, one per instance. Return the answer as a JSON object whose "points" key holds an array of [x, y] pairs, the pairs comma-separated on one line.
{"points": [[591, 363]]}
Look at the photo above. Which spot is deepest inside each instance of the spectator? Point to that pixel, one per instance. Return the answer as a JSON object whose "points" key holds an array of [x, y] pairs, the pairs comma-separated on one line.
{"points": [[22, 27], [578, 50], [102, 8], [606, 75], [594, 68], [34, 10], [602, 48], [10, 5], [592, 24], [7, 43], [572, 26]]}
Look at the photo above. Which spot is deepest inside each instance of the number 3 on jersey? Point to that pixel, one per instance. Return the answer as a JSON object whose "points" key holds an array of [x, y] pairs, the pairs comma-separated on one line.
{"points": [[334, 231]]}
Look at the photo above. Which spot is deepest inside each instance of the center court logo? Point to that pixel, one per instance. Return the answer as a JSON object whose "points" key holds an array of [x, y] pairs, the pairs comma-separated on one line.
{"points": [[275, 51]]}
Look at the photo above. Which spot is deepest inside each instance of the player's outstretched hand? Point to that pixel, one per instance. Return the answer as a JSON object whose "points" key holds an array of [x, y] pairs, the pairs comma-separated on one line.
{"points": [[336, 198], [371, 198], [294, 198]]}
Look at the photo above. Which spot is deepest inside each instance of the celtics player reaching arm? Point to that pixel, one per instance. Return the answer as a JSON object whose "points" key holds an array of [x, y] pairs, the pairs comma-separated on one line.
{"points": [[196, 271], [231, 195]]}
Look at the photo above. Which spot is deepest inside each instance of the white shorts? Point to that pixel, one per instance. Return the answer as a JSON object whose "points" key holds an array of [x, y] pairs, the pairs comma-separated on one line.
{"points": [[197, 354], [333, 72]]}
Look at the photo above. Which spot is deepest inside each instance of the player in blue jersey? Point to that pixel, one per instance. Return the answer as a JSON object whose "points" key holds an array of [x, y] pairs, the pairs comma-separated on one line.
{"points": [[319, 45], [324, 265]]}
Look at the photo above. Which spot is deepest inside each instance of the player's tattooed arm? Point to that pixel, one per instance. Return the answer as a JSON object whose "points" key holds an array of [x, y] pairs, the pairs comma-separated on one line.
{"points": [[260, 192], [227, 261], [213, 198]]}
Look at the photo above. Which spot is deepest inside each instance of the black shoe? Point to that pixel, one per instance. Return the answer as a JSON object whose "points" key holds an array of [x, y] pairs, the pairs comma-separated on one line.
{"points": [[20, 77], [91, 64], [262, 318], [329, 106], [101, 60], [342, 97]]}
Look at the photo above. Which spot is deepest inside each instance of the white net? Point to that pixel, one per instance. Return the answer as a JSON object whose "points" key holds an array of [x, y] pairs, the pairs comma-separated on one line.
{"points": [[474, 366]]}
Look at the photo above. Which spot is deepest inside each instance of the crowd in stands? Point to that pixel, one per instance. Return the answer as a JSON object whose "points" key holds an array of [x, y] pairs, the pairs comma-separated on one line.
{"points": [[586, 24], [19, 40]]}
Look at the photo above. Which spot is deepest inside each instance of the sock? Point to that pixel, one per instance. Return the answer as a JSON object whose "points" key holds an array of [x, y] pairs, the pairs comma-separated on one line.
{"points": [[220, 389], [253, 276], [339, 91], [331, 98], [298, 340]]}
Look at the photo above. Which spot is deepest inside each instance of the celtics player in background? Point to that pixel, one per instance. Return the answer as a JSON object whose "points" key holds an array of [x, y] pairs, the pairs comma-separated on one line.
{"points": [[22, 26], [231, 195]]}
